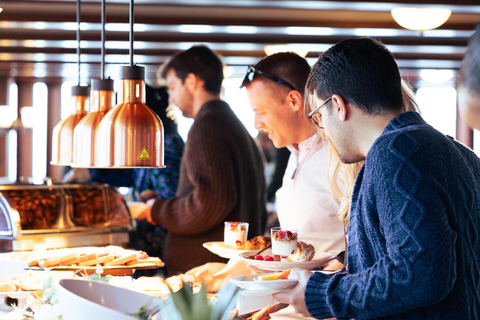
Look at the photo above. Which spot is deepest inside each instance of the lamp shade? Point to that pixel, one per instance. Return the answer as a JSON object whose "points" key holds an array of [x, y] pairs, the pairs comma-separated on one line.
{"points": [[85, 138], [131, 134], [62, 137], [421, 18]]}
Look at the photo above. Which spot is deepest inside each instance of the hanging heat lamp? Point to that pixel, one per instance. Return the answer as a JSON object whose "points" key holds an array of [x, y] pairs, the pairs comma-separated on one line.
{"points": [[62, 136], [86, 147], [131, 134]]}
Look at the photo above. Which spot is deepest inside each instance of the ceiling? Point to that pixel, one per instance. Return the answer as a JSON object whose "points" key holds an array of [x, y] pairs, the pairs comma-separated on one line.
{"points": [[38, 37]]}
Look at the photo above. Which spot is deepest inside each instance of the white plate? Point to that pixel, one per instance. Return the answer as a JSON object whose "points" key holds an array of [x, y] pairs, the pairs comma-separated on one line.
{"points": [[252, 283], [319, 260], [224, 251]]}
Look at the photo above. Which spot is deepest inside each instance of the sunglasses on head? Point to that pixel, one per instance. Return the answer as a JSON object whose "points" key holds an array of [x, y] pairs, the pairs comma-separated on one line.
{"points": [[251, 74]]}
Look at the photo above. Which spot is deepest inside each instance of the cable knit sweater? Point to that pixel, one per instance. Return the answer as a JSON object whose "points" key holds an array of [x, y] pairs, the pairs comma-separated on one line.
{"points": [[414, 234], [221, 179]]}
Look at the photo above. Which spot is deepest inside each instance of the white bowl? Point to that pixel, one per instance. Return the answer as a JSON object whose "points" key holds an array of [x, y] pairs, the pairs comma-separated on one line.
{"points": [[83, 299]]}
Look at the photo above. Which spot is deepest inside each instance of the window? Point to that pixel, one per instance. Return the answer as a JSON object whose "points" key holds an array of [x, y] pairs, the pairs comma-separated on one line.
{"points": [[438, 106], [39, 133]]}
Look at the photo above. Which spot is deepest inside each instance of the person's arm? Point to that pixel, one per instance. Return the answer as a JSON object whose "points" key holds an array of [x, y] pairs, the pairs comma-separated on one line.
{"points": [[211, 175], [418, 267]]}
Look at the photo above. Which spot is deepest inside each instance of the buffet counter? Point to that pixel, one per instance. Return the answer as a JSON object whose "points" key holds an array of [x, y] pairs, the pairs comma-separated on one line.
{"points": [[36, 217]]}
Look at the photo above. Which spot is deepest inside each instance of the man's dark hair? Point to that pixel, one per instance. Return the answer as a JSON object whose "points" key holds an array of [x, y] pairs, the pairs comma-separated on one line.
{"points": [[157, 100], [202, 62], [470, 70], [287, 66], [363, 72]]}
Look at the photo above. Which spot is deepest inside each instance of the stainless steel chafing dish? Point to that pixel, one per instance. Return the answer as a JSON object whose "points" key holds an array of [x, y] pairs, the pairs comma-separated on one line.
{"points": [[58, 216]]}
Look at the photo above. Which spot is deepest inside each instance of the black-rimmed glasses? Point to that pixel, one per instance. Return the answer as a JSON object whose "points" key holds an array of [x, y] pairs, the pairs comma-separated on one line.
{"points": [[252, 71], [316, 116]]}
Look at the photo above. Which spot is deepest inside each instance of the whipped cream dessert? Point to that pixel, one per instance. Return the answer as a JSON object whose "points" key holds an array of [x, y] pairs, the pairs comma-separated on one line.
{"points": [[235, 232], [284, 242]]}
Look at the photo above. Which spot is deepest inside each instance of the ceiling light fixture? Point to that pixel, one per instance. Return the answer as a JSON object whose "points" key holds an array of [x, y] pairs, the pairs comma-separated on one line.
{"points": [[436, 75], [86, 147], [131, 134], [420, 18], [62, 137], [272, 49]]}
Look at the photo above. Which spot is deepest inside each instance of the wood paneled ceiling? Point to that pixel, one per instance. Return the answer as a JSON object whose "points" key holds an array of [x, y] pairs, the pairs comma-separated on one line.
{"points": [[38, 37]]}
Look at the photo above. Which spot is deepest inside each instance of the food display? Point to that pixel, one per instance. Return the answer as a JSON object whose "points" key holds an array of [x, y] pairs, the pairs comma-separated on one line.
{"points": [[44, 217], [88, 206], [111, 256], [284, 241], [7, 286], [235, 232], [38, 209], [28, 281]]}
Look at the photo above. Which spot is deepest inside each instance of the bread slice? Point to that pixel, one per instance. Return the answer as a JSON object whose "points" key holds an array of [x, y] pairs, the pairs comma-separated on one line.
{"points": [[77, 259], [6, 286], [149, 261], [53, 262], [95, 261], [122, 260]]}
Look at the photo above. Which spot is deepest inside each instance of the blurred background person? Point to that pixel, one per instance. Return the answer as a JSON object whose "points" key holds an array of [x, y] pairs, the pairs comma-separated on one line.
{"points": [[469, 86]]}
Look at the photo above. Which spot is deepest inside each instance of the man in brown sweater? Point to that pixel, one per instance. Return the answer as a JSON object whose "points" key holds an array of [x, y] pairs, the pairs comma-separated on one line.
{"points": [[221, 174]]}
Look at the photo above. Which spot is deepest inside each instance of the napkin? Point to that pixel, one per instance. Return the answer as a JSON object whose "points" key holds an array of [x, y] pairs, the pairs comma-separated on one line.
{"points": [[251, 301]]}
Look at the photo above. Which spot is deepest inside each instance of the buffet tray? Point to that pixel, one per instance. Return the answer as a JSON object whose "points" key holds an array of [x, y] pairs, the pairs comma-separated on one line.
{"points": [[109, 270]]}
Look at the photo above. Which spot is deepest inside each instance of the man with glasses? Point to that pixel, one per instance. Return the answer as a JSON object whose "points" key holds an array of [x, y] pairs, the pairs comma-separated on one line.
{"points": [[414, 244], [275, 89]]}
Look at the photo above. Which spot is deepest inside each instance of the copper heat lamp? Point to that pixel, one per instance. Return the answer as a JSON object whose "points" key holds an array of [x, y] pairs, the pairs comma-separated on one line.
{"points": [[62, 136], [131, 134], [86, 147]]}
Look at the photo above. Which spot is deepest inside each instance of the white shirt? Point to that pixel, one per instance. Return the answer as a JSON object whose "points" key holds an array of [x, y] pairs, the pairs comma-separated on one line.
{"points": [[305, 202]]}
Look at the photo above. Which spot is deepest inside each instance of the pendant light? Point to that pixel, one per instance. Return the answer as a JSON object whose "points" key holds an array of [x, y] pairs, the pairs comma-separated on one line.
{"points": [[131, 134], [86, 147], [62, 136]]}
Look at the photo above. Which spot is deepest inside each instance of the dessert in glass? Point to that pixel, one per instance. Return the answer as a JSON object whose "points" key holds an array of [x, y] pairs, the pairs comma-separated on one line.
{"points": [[235, 232], [284, 241]]}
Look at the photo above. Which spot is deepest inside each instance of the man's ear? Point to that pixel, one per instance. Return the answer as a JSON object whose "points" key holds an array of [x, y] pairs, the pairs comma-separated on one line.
{"points": [[296, 100], [191, 81], [339, 107]]}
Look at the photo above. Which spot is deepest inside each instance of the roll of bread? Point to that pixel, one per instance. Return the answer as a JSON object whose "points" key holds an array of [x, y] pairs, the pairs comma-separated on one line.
{"points": [[305, 252]]}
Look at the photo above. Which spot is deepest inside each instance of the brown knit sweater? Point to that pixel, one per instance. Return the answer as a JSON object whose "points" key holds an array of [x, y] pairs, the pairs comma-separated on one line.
{"points": [[221, 179]]}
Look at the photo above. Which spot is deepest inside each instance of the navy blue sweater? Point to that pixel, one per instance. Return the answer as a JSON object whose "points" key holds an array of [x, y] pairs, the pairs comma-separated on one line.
{"points": [[414, 234]]}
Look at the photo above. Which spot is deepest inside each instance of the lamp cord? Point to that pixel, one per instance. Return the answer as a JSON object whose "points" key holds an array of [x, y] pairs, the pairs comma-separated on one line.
{"points": [[131, 33], [102, 76], [78, 39]]}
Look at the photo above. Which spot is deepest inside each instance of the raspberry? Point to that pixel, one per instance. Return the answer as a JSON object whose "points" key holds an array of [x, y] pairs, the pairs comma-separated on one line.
{"points": [[268, 258], [258, 257], [289, 234], [238, 242], [281, 234]]}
